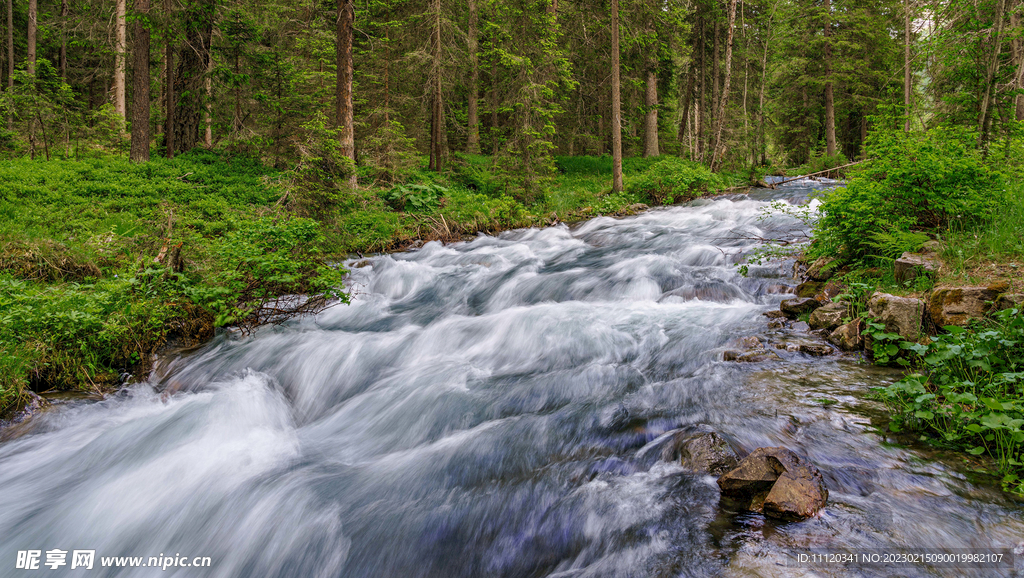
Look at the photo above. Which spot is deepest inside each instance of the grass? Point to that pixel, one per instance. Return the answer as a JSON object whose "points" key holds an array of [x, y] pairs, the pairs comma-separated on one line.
{"points": [[993, 251], [83, 299]]}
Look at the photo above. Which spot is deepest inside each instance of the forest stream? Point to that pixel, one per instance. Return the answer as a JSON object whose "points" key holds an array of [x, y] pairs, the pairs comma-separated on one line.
{"points": [[495, 408]]}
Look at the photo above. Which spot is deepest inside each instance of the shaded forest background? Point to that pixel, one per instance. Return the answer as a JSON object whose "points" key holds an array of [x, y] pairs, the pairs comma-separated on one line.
{"points": [[735, 84]]}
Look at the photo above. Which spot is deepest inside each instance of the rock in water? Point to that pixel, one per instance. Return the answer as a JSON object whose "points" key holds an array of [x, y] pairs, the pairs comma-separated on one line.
{"points": [[778, 482], [700, 449], [797, 495], [828, 316], [809, 288], [799, 306], [902, 315], [822, 270], [847, 337]]}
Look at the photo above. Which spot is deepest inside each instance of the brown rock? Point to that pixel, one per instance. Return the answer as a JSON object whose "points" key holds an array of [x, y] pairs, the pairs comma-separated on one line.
{"points": [[815, 349], [738, 347], [847, 337], [809, 288], [828, 316], [797, 495], [709, 453], [799, 306], [932, 248], [822, 269], [958, 305], [774, 314], [776, 481], [902, 315], [757, 357], [830, 290], [1009, 301], [913, 265]]}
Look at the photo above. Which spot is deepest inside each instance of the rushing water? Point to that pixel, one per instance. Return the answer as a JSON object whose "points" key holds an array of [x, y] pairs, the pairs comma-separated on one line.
{"points": [[493, 408]]}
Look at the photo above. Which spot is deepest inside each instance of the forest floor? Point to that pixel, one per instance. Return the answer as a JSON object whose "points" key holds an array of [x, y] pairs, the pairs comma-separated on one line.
{"points": [[103, 262]]}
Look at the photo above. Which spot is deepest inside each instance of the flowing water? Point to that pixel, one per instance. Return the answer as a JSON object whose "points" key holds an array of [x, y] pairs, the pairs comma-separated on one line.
{"points": [[495, 408]]}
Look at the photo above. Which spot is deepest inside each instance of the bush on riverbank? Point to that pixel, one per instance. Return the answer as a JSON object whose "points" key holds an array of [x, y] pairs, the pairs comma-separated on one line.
{"points": [[103, 261]]}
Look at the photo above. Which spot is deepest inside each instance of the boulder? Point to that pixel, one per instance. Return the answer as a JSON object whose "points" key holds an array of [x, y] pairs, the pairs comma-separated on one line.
{"points": [[958, 305], [809, 288], [913, 265], [932, 248], [1009, 301], [902, 315], [847, 337], [707, 453], [738, 347], [815, 349], [800, 489], [757, 357], [774, 314], [830, 290], [822, 269], [799, 306], [828, 316], [797, 495]]}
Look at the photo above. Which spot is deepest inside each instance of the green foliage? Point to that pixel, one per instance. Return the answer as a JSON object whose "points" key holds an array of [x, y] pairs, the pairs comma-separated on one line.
{"points": [[969, 391], [916, 181], [673, 180], [414, 197]]}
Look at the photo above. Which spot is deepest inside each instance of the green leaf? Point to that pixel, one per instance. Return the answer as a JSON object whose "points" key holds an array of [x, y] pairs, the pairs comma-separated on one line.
{"points": [[976, 451]]}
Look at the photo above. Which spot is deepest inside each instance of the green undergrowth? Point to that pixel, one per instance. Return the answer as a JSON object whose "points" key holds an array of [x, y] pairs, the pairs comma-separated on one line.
{"points": [[102, 262]]}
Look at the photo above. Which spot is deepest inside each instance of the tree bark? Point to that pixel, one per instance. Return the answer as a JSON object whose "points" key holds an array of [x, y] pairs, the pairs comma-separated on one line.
{"points": [[63, 60], [616, 104], [687, 102], [701, 104], [651, 148], [140, 84], [10, 44], [715, 50], [718, 150], [346, 115], [120, 50], [190, 77], [1018, 59], [33, 25], [472, 112], [830, 107], [906, 65], [990, 74], [437, 106], [208, 116]]}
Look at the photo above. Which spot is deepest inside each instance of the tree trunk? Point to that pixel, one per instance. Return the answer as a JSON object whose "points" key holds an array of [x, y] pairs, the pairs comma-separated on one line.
{"points": [[1018, 60], [687, 102], [208, 116], [990, 73], [437, 106], [120, 49], [651, 148], [906, 65], [10, 45], [33, 25], [190, 77], [701, 103], [719, 150], [140, 85], [63, 61], [346, 115], [830, 106], [616, 104], [169, 99], [472, 112], [715, 49]]}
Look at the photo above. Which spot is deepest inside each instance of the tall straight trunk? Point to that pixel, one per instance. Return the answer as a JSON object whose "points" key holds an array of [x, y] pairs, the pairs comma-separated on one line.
{"points": [[120, 50], [719, 149], [33, 26], [190, 76], [616, 104], [63, 61], [715, 51], [494, 112], [702, 93], [169, 100], [343, 89], [651, 148], [437, 106], [906, 65], [687, 103], [140, 85], [1018, 60], [746, 79], [10, 44], [472, 109], [830, 105], [990, 74], [208, 117]]}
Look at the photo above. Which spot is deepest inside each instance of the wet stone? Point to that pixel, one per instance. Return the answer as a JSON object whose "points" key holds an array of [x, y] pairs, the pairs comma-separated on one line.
{"points": [[809, 288], [701, 450], [847, 337], [828, 316], [799, 306], [777, 482]]}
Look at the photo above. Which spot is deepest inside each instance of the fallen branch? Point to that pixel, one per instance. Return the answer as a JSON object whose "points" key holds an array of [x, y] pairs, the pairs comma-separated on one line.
{"points": [[782, 182]]}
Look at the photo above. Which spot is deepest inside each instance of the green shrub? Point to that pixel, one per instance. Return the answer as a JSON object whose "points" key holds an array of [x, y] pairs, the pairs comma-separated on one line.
{"points": [[672, 180], [916, 181]]}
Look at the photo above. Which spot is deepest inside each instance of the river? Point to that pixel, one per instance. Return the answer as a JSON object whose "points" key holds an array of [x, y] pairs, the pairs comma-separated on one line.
{"points": [[493, 408]]}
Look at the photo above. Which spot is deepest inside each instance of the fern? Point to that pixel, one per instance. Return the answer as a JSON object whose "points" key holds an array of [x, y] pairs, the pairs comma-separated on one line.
{"points": [[890, 245]]}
